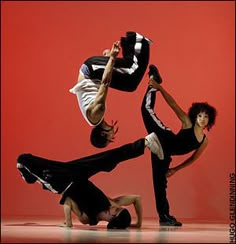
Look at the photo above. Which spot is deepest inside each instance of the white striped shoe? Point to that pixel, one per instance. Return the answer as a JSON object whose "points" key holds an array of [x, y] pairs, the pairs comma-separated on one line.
{"points": [[154, 145]]}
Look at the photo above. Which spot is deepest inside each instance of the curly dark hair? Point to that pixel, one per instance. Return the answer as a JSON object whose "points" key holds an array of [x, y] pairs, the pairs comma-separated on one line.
{"points": [[97, 138], [197, 108]]}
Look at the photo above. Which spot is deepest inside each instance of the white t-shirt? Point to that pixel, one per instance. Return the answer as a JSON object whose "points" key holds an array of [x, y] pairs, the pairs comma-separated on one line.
{"points": [[86, 91]]}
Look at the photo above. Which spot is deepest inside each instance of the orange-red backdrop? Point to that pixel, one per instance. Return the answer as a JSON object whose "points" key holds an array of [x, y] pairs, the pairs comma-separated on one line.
{"points": [[43, 46]]}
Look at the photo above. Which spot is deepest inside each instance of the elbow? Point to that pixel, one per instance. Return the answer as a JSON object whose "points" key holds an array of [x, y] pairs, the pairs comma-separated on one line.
{"points": [[191, 160], [100, 107], [138, 198]]}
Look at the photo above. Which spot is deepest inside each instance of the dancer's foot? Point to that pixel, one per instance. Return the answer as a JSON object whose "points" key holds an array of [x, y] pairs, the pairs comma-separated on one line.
{"points": [[128, 43], [168, 220], [154, 74], [153, 143], [138, 37]]}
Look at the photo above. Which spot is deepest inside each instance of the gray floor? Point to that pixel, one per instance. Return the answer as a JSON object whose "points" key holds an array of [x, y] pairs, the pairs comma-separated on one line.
{"points": [[35, 230]]}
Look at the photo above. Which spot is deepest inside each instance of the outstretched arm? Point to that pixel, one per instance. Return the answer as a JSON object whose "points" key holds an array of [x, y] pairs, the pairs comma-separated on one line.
{"points": [[136, 201], [97, 108], [189, 160], [186, 123]]}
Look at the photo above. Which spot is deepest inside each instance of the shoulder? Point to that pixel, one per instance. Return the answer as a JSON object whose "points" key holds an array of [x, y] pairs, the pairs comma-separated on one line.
{"points": [[186, 122]]}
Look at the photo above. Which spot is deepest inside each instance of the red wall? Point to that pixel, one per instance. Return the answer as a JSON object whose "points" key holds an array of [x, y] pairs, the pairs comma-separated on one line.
{"points": [[43, 46]]}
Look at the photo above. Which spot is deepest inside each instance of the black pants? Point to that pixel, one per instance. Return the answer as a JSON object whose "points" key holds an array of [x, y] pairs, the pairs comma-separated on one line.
{"points": [[129, 70], [58, 176], [159, 167]]}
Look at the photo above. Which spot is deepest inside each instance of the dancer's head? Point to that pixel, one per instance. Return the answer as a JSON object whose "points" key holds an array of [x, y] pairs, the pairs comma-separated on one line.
{"points": [[202, 112], [103, 134], [121, 220], [106, 52]]}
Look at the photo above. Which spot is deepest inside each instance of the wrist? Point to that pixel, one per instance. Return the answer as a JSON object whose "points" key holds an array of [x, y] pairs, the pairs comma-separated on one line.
{"points": [[112, 58], [69, 223]]}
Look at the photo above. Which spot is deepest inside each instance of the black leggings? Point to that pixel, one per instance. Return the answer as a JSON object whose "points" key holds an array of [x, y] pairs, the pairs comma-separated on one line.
{"points": [[57, 176]]}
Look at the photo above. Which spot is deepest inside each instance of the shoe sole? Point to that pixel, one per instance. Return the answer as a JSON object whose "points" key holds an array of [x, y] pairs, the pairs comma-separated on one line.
{"points": [[156, 75], [159, 153], [168, 224]]}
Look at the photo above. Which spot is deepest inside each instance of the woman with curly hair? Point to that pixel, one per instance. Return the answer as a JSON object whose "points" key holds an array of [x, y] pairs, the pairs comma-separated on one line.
{"points": [[190, 138]]}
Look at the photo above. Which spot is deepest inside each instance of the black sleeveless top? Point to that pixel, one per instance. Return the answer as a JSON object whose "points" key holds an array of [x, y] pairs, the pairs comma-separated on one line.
{"points": [[184, 142], [89, 198]]}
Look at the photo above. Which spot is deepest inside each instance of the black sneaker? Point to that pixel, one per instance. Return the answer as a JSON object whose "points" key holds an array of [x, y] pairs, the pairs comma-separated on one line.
{"points": [[153, 71], [168, 220]]}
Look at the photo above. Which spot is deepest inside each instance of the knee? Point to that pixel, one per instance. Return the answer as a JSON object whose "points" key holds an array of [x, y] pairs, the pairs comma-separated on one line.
{"points": [[132, 89]]}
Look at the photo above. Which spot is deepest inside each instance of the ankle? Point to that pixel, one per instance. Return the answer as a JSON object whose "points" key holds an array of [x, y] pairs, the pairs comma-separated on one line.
{"points": [[153, 84]]}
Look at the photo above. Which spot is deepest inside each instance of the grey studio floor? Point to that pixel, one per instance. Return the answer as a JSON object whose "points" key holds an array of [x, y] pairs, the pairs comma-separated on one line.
{"points": [[47, 230]]}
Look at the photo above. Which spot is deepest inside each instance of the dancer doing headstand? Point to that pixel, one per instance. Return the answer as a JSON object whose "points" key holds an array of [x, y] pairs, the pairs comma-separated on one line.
{"points": [[79, 194]]}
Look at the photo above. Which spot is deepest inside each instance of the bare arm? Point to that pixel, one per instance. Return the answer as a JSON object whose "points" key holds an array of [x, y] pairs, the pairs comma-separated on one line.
{"points": [[83, 218], [186, 123], [107, 74], [189, 160], [67, 211], [97, 108], [70, 206], [136, 201]]}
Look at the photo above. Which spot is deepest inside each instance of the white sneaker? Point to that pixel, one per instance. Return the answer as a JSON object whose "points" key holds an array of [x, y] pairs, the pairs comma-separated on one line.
{"points": [[154, 145]]}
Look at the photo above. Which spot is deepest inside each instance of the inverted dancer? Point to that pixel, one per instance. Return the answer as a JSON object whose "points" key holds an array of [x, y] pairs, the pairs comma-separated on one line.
{"points": [[191, 137], [79, 194], [117, 204], [98, 73]]}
